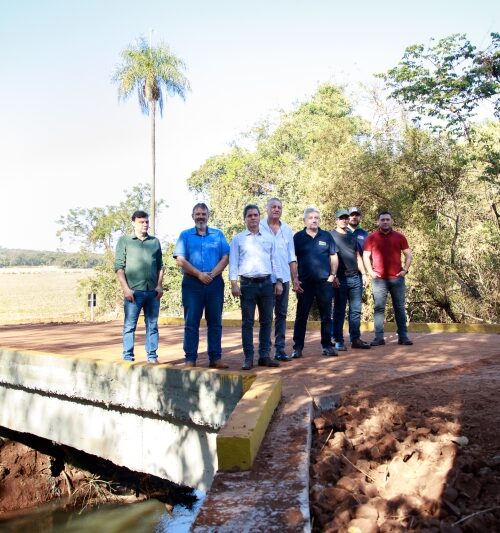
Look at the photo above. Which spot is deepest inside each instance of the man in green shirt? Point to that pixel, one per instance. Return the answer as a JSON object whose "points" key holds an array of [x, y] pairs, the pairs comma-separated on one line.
{"points": [[139, 269]]}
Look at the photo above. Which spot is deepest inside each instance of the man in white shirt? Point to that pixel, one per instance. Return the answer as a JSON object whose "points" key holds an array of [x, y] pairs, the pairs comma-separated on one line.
{"points": [[282, 235], [252, 257]]}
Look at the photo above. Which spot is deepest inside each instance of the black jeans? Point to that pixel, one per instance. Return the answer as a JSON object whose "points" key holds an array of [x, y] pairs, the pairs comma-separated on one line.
{"points": [[323, 292]]}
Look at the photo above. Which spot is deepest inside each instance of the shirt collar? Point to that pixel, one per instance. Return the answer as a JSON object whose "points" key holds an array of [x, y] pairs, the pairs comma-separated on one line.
{"points": [[148, 236], [193, 231]]}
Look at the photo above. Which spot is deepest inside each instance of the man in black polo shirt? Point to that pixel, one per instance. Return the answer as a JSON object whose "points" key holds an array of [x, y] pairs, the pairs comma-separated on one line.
{"points": [[348, 287], [317, 264]]}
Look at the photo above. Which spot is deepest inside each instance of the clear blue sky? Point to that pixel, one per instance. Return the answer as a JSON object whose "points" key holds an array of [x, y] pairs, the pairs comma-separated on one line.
{"points": [[66, 141]]}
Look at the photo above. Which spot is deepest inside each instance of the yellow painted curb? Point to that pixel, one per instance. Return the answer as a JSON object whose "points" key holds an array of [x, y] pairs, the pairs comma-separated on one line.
{"points": [[239, 440], [415, 327]]}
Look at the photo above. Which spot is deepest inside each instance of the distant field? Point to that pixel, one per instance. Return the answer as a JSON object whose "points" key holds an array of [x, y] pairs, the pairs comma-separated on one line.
{"points": [[41, 294]]}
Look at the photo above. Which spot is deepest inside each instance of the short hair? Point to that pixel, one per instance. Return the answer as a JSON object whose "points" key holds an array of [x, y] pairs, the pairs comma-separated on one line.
{"points": [[384, 213], [273, 200], [309, 210], [200, 205], [139, 214], [247, 209]]}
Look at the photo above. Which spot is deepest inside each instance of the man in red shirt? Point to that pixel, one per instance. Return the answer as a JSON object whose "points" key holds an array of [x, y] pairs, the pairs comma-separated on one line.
{"points": [[382, 259]]}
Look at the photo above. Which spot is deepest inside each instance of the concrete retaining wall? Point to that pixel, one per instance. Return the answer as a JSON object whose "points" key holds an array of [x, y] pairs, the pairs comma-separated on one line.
{"points": [[160, 420]]}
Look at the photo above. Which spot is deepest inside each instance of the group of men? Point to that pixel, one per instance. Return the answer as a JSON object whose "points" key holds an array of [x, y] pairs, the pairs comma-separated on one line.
{"points": [[267, 260]]}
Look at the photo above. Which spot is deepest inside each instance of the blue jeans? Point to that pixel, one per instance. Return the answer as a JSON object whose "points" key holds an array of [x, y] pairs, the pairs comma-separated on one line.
{"points": [[196, 297], [322, 291], [396, 288], [350, 290], [280, 311], [258, 294], [147, 301]]}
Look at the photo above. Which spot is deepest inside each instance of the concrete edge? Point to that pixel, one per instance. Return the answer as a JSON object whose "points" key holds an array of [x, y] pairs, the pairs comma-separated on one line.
{"points": [[414, 327], [240, 438]]}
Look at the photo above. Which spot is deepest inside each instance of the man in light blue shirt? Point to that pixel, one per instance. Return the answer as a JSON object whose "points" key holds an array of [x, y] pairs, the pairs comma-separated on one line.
{"points": [[253, 258], [282, 235], [203, 254]]}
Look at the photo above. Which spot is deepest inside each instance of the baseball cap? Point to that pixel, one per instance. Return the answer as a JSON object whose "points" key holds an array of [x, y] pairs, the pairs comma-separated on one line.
{"points": [[354, 210], [341, 212]]}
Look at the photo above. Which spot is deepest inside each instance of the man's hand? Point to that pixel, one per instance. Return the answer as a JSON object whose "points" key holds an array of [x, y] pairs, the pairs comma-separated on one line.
{"points": [[364, 280], [205, 278], [336, 282], [297, 286], [235, 289], [374, 275], [159, 292], [278, 288], [401, 274], [128, 294]]}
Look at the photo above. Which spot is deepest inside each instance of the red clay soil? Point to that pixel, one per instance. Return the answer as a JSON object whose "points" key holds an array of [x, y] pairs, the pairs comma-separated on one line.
{"points": [[421, 453], [25, 477]]}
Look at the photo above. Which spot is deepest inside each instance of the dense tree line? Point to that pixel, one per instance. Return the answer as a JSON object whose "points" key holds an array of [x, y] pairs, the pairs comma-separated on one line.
{"points": [[12, 258]]}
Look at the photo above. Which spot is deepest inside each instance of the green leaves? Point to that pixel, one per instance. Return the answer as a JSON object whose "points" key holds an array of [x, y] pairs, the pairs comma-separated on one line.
{"points": [[447, 82]]}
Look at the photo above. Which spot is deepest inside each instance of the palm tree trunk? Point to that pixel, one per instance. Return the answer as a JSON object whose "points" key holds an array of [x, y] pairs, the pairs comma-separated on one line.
{"points": [[152, 209]]}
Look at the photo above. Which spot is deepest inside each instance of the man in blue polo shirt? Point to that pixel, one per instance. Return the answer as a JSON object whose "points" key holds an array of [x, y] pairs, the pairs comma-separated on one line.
{"points": [[202, 253], [317, 264]]}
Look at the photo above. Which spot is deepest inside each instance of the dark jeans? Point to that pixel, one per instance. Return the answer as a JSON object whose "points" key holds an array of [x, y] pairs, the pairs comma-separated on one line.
{"points": [[350, 290], [258, 294], [396, 288], [197, 297], [322, 291], [280, 311], [147, 301]]}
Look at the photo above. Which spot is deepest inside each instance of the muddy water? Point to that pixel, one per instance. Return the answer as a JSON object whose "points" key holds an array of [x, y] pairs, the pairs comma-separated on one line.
{"points": [[145, 517]]}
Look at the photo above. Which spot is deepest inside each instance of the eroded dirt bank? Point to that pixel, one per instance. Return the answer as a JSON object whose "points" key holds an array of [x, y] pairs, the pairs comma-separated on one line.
{"points": [[415, 454], [34, 471]]}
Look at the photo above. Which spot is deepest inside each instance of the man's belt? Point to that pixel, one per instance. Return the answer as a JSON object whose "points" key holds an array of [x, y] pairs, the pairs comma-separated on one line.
{"points": [[259, 279]]}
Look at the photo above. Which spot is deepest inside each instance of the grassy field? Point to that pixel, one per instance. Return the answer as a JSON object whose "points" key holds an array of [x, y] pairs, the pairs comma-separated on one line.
{"points": [[42, 294]]}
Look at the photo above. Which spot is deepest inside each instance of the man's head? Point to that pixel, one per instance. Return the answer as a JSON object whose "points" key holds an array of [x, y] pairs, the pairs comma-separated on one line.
{"points": [[274, 209], [342, 218], [251, 215], [140, 221], [354, 217], [385, 221], [311, 218], [200, 216]]}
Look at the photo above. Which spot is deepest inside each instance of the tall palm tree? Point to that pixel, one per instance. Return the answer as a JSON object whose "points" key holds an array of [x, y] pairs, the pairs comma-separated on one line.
{"points": [[155, 72]]}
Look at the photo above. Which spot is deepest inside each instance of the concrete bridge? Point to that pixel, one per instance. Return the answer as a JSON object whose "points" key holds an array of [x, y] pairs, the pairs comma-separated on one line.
{"points": [[178, 424]]}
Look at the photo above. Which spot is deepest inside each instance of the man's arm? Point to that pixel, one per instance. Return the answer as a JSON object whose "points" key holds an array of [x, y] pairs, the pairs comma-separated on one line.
{"points": [[295, 277], [128, 293], [234, 261], [367, 255], [408, 256], [334, 266], [159, 283], [190, 270], [361, 268], [276, 267]]}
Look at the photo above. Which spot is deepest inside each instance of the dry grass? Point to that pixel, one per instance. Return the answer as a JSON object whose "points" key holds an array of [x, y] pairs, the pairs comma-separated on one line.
{"points": [[41, 295]]}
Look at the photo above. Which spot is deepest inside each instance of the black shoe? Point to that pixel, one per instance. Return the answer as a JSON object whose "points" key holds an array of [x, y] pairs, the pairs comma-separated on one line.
{"points": [[329, 351], [267, 361], [377, 342], [405, 341], [340, 347], [297, 353], [358, 343], [247, 365], [282, 357]]}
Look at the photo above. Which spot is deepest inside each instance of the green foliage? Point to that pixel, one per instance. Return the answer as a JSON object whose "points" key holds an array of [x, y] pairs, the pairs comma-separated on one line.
{"points": [[448, 81], [442, 192], [151, 71], [14, 257], [97, 228]]}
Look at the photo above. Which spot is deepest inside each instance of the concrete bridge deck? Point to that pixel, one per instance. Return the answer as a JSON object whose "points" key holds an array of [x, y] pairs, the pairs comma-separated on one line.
{"points": [[273, 495]]}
